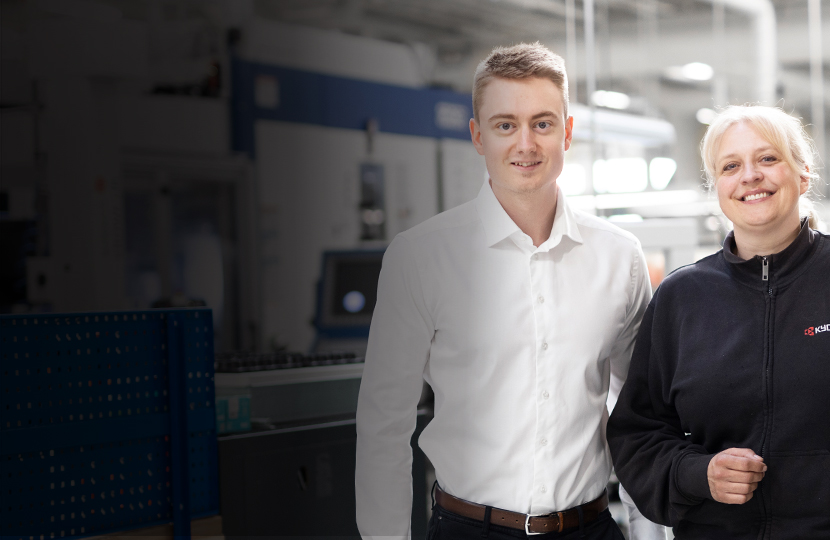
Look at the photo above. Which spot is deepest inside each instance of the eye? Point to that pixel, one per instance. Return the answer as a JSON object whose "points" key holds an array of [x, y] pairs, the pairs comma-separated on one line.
{"points": [[729, 167], [504, 126], [544, 124], [769, 159]]}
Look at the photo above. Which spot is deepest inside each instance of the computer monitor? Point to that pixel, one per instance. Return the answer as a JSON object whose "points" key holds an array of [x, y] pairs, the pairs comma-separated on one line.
{"points": [[347, 293]]}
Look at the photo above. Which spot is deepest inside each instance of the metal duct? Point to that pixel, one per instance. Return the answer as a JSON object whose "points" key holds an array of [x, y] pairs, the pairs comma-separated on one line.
{"points": [[765, 44]]}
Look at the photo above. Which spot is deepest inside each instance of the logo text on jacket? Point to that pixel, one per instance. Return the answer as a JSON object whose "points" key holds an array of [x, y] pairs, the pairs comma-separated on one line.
{"points": [[813, 330]]}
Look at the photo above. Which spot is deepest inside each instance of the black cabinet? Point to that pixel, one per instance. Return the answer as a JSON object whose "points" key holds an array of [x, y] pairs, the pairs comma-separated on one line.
{"points": [[299, 482]]}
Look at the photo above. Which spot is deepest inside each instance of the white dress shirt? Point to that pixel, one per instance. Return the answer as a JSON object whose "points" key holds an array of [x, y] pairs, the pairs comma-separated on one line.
{"points": [[520, 345]]}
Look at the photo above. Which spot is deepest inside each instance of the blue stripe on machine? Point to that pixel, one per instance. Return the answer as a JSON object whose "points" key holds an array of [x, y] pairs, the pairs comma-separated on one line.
{"points": [[326, 100]]}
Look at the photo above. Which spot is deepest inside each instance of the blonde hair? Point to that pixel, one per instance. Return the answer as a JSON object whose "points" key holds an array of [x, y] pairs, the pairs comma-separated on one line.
{"points": [[520, 61], [784, 132]]}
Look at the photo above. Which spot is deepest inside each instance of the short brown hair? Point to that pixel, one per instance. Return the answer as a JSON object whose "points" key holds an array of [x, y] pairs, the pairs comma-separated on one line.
{"points": [[520, 61]]}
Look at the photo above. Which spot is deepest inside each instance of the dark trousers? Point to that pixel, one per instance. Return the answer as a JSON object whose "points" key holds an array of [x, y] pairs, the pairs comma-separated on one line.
{"points": [[445, 525]]}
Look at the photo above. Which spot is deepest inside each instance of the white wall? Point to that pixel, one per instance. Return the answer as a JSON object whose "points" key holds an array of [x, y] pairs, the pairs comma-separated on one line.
{"points": [[463, 172], [174, 124], [86, 218]]}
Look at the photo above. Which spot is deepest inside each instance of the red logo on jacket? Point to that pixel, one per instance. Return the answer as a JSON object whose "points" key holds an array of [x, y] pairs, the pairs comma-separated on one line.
{"points": [[813, 330]]}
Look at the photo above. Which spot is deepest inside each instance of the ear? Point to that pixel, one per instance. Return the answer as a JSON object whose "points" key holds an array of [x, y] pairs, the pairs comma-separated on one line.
{"points": [[805, 182], [569, 131], [475, 135]]}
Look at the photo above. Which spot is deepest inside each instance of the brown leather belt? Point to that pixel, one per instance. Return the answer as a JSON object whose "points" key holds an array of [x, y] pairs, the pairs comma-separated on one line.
{"points": [[554, 522]]}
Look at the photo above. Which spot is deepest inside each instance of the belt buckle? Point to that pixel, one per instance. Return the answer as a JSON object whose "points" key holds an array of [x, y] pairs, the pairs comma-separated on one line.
{"points": [[527, 524]]}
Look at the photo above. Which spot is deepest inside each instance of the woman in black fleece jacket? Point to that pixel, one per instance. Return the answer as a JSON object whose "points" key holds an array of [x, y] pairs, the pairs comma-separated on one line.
{"points": [[722, 429]]}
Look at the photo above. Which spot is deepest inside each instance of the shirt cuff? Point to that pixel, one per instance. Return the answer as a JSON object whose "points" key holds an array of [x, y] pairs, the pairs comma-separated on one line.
{"points": [[692, 479]]}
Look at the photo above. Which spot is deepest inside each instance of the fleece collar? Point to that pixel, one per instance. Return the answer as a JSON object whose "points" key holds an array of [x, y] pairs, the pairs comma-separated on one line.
{"points": [[782, 267]]}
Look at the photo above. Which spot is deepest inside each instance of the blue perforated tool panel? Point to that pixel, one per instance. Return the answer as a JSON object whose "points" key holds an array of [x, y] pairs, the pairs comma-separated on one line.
{"points": [[107, 422]]}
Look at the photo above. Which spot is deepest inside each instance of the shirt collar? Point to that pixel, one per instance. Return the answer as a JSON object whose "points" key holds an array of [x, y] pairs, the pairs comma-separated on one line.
{"points": [[564, 223], [498, 225]]}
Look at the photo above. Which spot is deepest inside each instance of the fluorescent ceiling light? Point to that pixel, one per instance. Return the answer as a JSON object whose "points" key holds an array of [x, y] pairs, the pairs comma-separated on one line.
{"points": [[698, 71], [690, 73], [620, 175], [612, 100], [660, 172], [705, 115]]}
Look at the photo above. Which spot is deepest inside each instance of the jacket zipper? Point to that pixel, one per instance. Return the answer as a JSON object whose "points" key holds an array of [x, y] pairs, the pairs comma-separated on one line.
{"points": [[767, 368]]}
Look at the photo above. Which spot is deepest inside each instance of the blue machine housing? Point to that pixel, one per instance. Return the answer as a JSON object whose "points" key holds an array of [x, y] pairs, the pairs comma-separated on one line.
{"points": [[327, 100]]}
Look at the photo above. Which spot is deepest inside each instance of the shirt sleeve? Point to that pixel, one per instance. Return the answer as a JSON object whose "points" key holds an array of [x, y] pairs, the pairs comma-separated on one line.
{"points": [[640, 527], [664, 473], [639, 298], [398, 350]]}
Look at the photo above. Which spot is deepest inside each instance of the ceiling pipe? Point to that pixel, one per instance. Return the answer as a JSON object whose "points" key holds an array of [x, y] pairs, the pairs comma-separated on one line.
{"points": [[766, 46], [571, 61], [817, 79]]}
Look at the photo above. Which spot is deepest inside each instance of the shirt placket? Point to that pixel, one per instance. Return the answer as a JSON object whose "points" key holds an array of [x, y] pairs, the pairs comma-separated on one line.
{"points": [[543, 492]]}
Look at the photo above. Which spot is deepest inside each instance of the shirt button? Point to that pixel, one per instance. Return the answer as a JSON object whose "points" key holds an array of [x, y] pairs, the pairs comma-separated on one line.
{"points": [[545, 394], [543, 489], [535, 256], [541, 299], [544, 442], [544, 346]]}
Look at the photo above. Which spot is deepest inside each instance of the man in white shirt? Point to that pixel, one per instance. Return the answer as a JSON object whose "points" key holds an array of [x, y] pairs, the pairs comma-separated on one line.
{"points": [[520, 313]]}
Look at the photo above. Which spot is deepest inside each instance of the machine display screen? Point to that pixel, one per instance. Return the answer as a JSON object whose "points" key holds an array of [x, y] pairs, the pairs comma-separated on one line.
{"points": [[355, 287], [348, 290]]}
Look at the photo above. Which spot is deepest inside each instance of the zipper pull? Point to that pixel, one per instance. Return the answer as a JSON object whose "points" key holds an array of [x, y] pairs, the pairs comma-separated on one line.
{"points": [[764, 269]]}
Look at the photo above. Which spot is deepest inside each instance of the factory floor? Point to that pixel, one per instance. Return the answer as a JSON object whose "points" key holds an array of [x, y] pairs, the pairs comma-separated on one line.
{"points": [[209, 528]]}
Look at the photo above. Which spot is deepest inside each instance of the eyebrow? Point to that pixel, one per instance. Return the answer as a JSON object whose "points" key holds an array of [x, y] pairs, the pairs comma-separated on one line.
{"points": [[760, 150], [513, 116]]}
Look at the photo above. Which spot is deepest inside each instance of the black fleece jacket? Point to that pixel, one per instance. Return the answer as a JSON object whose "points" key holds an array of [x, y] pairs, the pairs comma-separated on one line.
{"points": [[725, 358]]}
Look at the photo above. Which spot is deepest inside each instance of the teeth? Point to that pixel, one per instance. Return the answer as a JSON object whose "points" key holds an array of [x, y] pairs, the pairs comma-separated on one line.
{"points": [[756, 196], [526, 163]]}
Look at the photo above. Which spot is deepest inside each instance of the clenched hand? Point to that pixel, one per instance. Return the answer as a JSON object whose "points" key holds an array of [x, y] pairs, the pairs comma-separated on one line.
{"points": [[734, 475]]}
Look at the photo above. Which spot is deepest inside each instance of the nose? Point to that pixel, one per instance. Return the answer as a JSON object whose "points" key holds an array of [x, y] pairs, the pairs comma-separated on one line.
{"points": [[751, 173], [527, 140]]}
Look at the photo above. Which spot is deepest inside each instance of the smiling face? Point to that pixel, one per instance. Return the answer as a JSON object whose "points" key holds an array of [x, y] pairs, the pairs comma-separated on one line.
{"points": [[522, 133], [757, 190]]}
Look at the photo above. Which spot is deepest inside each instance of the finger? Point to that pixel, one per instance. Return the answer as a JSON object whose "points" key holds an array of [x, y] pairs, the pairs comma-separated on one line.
{"points": [[737, 463], [731, 498], [743, 452], [741, 477], [750, 478], [738, 471], [735, 488]]}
